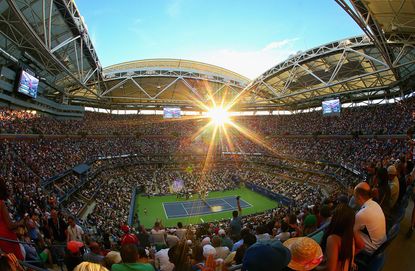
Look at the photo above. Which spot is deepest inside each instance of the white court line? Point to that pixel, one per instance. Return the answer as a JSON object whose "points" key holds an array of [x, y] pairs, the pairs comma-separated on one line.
{"points": [[250, 205], [228, 204], [187, 213], [206, 202], [165, 213], [202, 213]]}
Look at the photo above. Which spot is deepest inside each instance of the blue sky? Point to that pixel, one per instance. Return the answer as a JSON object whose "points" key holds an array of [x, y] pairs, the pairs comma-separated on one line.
{"points": [[247, 37]]}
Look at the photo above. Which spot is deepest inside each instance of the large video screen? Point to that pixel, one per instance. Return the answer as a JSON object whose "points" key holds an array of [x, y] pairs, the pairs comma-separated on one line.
{"points": [[331, 107], [28, 84], [172, 112]]}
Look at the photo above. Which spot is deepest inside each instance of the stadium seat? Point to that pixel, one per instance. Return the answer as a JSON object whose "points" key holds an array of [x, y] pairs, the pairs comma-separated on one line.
{"points": [[376, 261]]}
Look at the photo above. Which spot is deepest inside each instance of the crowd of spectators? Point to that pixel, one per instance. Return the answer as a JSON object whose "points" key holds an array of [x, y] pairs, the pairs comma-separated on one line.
{"points": [[310, 170], [362, 120], [109, 192]]}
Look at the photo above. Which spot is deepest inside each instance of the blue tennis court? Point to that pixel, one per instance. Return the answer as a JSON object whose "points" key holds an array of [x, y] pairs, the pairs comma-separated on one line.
{"points": [[199, 207]]}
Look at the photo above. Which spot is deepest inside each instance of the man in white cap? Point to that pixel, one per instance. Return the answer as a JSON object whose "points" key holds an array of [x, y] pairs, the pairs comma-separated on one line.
{"points": [[394, 185]]}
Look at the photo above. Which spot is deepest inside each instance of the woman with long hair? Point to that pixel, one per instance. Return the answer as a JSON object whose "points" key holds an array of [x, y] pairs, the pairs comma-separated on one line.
{"points": [[382, 193], [339, 242]]}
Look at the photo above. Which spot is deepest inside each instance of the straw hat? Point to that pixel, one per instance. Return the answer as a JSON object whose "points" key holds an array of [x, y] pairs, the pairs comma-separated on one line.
{"points": [[306, 253]]}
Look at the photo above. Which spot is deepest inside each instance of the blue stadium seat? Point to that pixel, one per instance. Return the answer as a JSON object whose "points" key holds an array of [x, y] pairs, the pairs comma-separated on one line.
{"points": [[393, 232], [376, 261]]}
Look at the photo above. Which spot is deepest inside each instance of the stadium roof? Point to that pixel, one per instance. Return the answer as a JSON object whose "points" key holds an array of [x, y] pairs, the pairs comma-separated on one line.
{"points": [[353, 69], [176, 82], [51, 38], [383, 20], [379, 65]]}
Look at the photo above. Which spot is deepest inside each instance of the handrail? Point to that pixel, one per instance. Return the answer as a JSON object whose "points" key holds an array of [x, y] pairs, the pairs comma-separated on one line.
{"points": [[26, 264], [318, 230], [28, 243], [15, 241]]}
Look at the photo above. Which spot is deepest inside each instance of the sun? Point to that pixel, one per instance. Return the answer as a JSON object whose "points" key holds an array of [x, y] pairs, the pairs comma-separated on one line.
{"points": [[218, 115]]}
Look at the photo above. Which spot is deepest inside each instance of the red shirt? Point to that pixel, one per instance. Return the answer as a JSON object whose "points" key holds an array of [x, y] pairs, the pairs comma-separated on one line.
{"points": [[129, 238]]}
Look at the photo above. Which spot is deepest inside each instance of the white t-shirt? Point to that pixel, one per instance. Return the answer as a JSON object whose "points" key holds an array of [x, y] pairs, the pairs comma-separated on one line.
{"points": [[181, 233], [75, 233], [283, 236], [158, 236], [263, 237], [162, 260], [370, 221]]}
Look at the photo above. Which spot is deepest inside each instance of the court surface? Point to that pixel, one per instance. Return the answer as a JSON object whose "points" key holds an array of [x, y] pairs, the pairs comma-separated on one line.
{"points": [[199, 207], [156, 210]]}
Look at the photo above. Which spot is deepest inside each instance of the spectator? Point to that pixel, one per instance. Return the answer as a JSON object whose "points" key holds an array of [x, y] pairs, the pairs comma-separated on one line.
{"points": [[40, 258], [394, 185], [73, 257], [171, 239], [225, 240], [144, 237], [261, 233], [325, 216], [132, 260], [410, 181], [221, 251], [370, 224], [158, 235], [89, 266], [128, 238], [197, 259], [310, 223], [111, 258], [237, 244], [9, 262], [162, 261], [382, 194], [179, 257], [248, 241], [294, 228], [283, 234], [74, 232], [339, 242], [236, 223], [180, 232], [7, 225], [57, 228], [32, 226], [306, 253], [271, 255], [95, 255]]}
